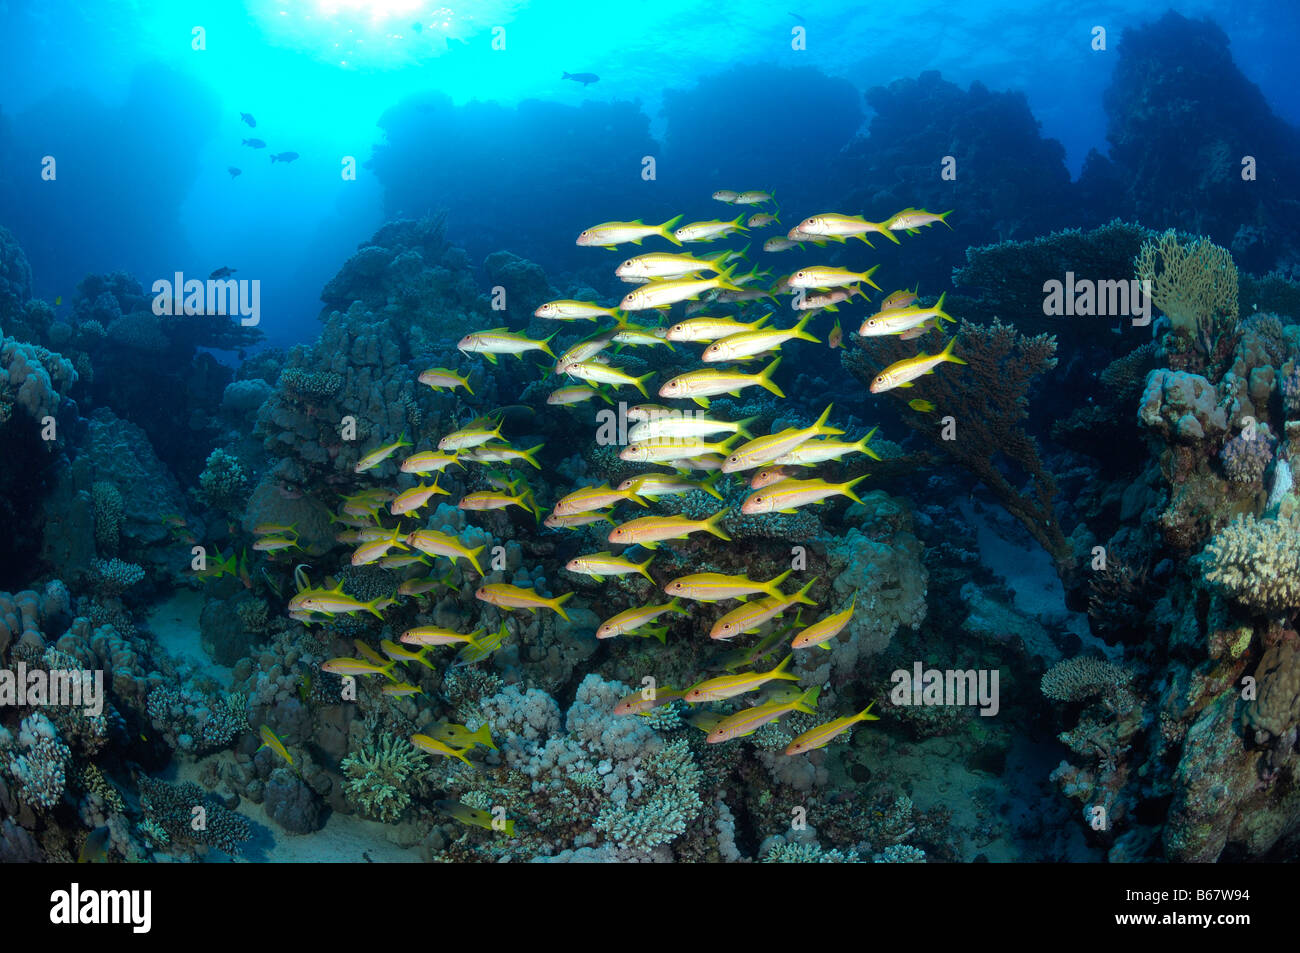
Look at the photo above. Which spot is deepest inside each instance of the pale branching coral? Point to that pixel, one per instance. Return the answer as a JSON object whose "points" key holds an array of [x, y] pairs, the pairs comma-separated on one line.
{"points": [[1080, 678], [1195, 285], [1257, 562], [377, 777]]}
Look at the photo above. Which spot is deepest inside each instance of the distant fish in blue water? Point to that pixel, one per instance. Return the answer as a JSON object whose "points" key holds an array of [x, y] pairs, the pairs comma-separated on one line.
{"points": [[255, 143], [233, 171], [586, 79], [248, 118], [284, 157], [223, 272]]}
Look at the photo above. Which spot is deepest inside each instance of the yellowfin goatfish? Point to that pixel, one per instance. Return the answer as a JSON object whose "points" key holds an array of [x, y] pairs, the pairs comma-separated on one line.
{"points": [[585, 350], [776, 244], [368, 553], [711, 329], [376, 457], [401, 689], [834, 225], [899, 320], [330, 602], [668, 449], [279, 529], [576, 394], [645, 700], [481, 648], [912, 219], [643, 412], [823, 630], [475, 818], [753, 197], [588, 498], [920, 405], [822, 276], [899, 299], [700, 385], [748, 720], [729, 686], [674, 425], [830, 301], [739, 346], [667, 265], [664, 294], [356, 666], [269, 740], [467, 437], [609, 234], [823, 735], [762, 220], [596, 373], [275, 544], [764, 450], [789, 495], [632, 619], [819, 451], [503, 341], [398, 653], [556, 521], [574, 311], [504, 453], [432, 635], [710, 230], [749, 617], [434, 746], [904, 372], [415, 498], [505, 596], [461, 737], [484, 500], [726, 195], [642, 337], [654, 485], [439, 377], [600, 565], [715, 586], [650, 531], [441, 544], [766, 476], [429, 461]]}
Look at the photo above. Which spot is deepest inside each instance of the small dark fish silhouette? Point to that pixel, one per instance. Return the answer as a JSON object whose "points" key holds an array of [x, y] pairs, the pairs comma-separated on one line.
{"points": [[255, 143], [233, 171], [284, 157], [223, 272], [586, 79], [248, 118]]}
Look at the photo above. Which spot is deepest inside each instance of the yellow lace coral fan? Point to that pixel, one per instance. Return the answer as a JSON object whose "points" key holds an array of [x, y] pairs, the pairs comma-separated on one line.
{"points": [[1257, 562], [1195, 285]]}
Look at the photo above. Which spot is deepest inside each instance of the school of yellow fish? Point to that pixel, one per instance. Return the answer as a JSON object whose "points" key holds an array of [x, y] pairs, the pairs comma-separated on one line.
{"points": [[681, 444]]}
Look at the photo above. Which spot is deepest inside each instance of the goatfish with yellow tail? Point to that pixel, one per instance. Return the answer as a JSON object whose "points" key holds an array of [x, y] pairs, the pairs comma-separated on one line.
{"points": [[826, 277], [576, 394], [751, 655], [668, 449], [483, 500], [275, 529], [496, 341], [707, 329], [666, 293], [654, 485], [776, 244], [904, 372], [900, 320], [819, 451], [574, 311], [766, 476], [645, 700], [700, 385], [736, 347], [643, 412], [415, 498], [609, 234], [913, 219], [505, 596], [753, 197], [439, 377], [430, 461], [269, 740], [400, 654], [357, 666], [823, 630], [472, 817], [375, 457], [667, 265], [650, 531], [823, 735], [729, 686], [588, 498], [716, 586], [676, 425], [748, 720], [331, 602], [835, 225], [711, 230], [368, 553], [830, 301], [418, 587], [763, 450], [474, 435], [762, 220], [788, 495], [441, 544], [275, 544], [504, 453], [461, 737], [630, 620], [899, 299], [641, 337], [431, 635], [751, 615], [481, 648], [585, 350], [575, 520], [401, 689], [434, 746], [594, 373]]}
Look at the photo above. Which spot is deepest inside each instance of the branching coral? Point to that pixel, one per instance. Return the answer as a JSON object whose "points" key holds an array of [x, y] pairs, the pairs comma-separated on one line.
{"points": [[1195, 285], [377, 777], [1257, 562], [988, 402]]}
